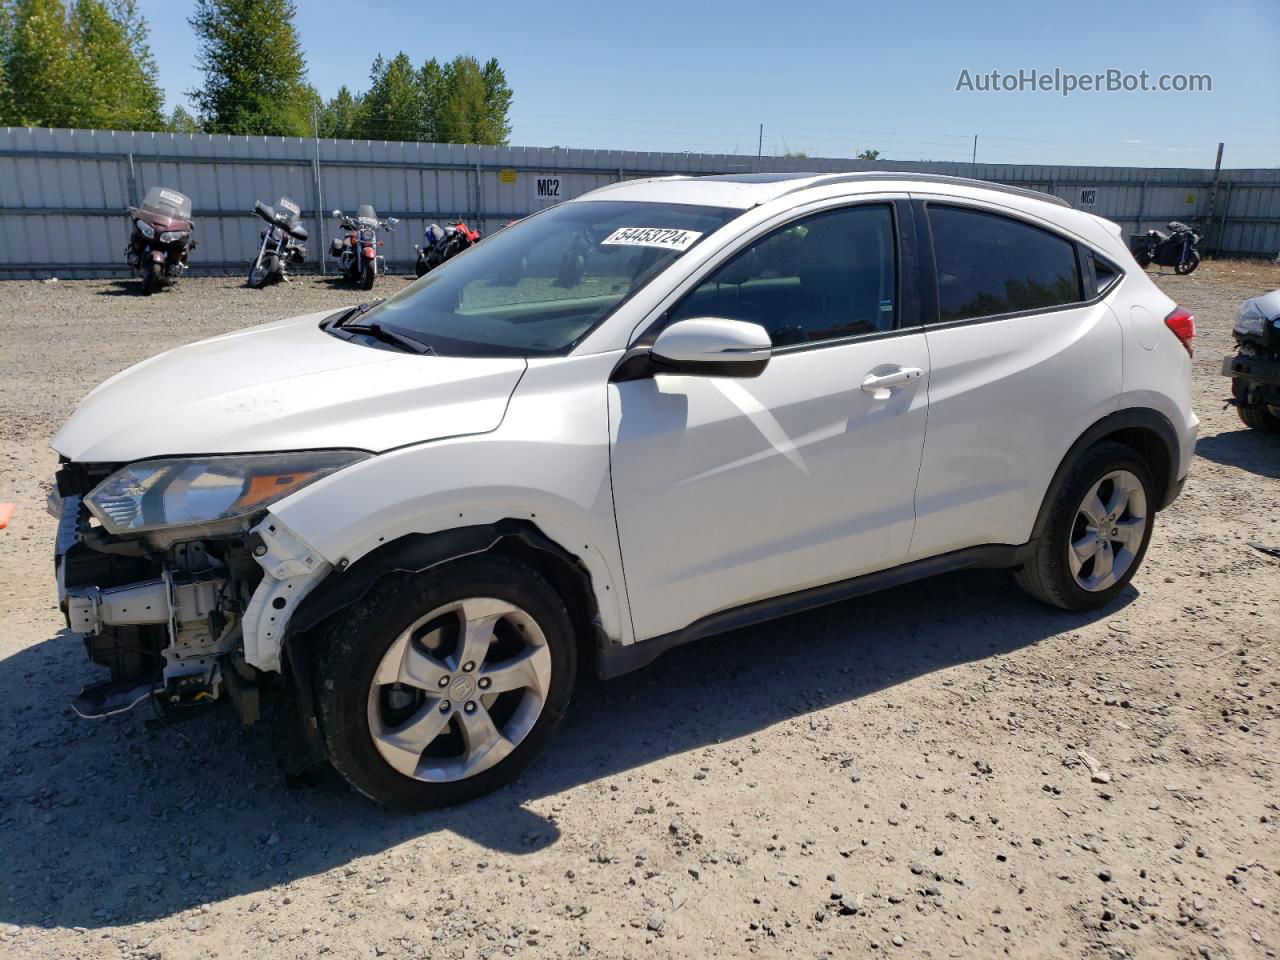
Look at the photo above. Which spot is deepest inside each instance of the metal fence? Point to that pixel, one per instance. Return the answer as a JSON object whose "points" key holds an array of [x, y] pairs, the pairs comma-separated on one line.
{"points": [[63, 193]]}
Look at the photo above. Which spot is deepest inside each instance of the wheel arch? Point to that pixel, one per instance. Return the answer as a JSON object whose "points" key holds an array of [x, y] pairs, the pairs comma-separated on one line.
{"points": [[1148, 432], [417, 552]]}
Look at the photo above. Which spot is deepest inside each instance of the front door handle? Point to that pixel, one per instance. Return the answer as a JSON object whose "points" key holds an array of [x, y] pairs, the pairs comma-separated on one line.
{"points": [[880, 386]]}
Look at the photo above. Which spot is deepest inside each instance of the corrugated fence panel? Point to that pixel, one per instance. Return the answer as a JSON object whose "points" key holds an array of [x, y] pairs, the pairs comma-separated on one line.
{"points": [[63, 193]]}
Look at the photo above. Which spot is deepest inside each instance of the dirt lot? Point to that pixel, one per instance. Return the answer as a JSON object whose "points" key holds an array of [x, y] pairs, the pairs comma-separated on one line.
{"points": [[898, 775]]}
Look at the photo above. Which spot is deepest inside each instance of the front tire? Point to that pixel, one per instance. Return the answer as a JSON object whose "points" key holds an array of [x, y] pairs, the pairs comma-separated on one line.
{"points": [[262, 270], [369, 275], [152, 277], [1259, 418], [1186, 266], [1096, 532], [442, 686]]}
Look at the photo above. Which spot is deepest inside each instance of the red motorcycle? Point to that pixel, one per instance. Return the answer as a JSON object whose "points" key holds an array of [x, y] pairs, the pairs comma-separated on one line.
{"points": [[440, 243], [358, 250], [160, 239]]}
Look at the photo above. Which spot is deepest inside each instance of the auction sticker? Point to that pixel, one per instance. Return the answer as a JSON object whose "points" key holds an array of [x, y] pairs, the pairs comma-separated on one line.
{"points": [[668, 238]]}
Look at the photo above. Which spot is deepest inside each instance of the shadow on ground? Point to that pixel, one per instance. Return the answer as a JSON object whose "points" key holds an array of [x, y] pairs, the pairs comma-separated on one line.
{"points": [[125, 820], [1254, 450]]}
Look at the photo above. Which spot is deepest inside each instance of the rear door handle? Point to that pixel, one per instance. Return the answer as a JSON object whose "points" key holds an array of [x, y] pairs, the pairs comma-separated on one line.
{"points": [[880, 386]]}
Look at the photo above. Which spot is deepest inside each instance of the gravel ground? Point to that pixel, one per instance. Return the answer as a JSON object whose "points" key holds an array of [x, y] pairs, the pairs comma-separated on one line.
{"points": [[946, 769]]}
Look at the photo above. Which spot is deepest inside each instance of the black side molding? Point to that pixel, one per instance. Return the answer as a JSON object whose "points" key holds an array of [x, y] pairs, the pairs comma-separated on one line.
{"points": [[616, 660]]}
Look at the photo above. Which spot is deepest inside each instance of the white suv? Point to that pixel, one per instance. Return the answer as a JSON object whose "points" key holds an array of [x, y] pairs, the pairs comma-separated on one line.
{"points": [[663, 410]]}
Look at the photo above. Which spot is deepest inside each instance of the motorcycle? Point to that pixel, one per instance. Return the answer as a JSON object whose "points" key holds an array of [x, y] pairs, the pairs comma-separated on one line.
{"points": [[440, 243], [1255, 369], [357, 250], [160, 237], [1178, 250], [281, 242]]}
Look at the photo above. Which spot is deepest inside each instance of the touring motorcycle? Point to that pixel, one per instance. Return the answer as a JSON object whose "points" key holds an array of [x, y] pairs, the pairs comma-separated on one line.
{"points": [[160, 237]]}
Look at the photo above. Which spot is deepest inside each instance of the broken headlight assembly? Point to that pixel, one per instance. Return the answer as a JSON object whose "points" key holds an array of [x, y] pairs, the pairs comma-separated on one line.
{"points": [[158, 494]]}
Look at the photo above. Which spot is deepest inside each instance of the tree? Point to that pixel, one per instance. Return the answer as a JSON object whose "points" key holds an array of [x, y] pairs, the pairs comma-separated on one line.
{"points": [[181, 121], [467, 103], [255, 76], [869, 155], [39, 65], [6, 41], [86, 67], [342, 117], [395, 108], [116, 88], [497, 104]]}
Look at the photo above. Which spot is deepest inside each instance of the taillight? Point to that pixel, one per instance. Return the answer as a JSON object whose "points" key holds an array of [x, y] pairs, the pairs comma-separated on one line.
{"points": [[1183, 324]]}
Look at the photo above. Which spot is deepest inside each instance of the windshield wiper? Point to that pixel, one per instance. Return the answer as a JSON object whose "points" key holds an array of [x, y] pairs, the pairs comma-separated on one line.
{"points": [[356, 311], [379, 332]]}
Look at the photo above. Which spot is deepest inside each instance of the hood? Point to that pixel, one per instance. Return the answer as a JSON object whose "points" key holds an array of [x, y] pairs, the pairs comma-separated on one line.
{"points": [[285, 386]]}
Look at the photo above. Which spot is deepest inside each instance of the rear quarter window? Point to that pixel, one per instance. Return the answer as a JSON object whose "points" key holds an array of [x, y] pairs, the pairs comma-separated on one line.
{"points": [[989, 265]]}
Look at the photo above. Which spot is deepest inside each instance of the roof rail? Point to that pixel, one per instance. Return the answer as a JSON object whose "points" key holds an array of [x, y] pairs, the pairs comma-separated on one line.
{"points": [[854, 177]]}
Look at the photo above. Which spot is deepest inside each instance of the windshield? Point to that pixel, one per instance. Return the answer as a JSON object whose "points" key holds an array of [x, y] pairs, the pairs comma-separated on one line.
{"points": [[541, 285]]}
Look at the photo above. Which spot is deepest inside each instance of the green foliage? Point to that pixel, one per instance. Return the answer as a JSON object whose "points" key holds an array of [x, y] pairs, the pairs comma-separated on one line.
{"points": [[869, 155], [395, 107], [342, 117], [6, 41], [116, 81], [455, 102], [255, 76], [89, 66], [181, 121], [40, 65]]}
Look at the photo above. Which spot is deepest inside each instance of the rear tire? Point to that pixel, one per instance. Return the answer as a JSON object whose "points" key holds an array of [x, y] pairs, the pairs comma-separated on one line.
{"points": [[152, 278], [400, 681], [1080, 564]]}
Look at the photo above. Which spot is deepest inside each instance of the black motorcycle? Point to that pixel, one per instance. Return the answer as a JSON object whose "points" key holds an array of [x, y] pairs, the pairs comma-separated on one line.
{"points": [[1255, 369], [160, 237], [281, 242], [1179, 249], [357, 250]]}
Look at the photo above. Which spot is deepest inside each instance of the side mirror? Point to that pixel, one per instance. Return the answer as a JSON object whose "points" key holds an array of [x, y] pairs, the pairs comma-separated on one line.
{"points": [[711, 347], [337, 214], [392, 221]]}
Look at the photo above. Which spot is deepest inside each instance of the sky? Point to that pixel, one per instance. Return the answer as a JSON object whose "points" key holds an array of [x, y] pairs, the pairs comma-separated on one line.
{"points": [[826, 78]]}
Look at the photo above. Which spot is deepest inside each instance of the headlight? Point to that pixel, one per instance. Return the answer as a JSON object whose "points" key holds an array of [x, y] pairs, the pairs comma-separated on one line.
{"points": [[173, 236], [146, 229], [153, 494], [1251, 321]]}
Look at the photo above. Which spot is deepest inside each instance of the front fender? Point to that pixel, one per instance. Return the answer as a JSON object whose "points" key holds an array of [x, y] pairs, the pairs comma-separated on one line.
{"points": [[546, 466]]}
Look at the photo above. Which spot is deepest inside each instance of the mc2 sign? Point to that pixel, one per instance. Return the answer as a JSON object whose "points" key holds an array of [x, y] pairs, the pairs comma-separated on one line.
{"points": [[547, 187]]}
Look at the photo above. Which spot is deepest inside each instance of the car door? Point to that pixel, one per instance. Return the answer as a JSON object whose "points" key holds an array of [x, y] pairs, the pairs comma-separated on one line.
{"points": [[1022, 363], [729, 491]]}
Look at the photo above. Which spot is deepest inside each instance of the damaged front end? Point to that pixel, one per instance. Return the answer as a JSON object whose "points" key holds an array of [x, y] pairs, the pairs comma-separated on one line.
{"points": [[178, 579]]}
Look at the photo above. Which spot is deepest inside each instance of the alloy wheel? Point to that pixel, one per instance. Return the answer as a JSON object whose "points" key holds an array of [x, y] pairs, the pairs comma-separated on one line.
{"points": [[1107, 534], [459, 689]]}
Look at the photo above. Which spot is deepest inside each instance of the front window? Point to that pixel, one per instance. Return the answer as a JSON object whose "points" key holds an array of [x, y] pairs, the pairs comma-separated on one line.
{"points": [[538, 287]]}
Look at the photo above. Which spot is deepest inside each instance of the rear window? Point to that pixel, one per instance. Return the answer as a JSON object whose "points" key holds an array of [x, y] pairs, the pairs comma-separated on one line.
{"points": [[990, 265]]}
